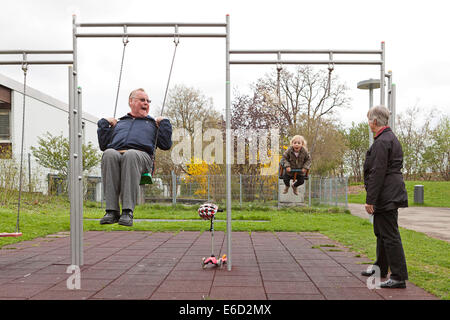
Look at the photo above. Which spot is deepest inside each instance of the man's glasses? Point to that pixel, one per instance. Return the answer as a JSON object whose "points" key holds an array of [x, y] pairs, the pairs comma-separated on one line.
{"points": [[143, 100]]}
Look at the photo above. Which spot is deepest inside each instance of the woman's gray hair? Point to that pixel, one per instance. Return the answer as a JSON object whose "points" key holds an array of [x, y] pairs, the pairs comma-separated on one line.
{"points": [[381, 113]]}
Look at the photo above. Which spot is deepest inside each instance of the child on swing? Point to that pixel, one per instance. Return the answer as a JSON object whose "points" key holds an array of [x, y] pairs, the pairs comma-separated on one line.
{"points": [[295, 157]]}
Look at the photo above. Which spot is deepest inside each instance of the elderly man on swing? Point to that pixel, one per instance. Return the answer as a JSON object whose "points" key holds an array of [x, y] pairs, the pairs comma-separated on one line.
{"points": [[129, 146]]}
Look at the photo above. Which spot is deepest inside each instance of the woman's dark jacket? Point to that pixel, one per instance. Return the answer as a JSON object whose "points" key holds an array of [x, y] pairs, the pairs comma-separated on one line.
{"points": [[134, 133], [383, 178]]}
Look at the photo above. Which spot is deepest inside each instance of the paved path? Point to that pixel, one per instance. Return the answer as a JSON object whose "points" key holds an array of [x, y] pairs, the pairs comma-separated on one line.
{"points": [[167, 265], [434, 222]]}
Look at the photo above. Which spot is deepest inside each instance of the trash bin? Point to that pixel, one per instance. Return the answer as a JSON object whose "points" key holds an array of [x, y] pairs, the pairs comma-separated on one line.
{"points": [[418, 194]]}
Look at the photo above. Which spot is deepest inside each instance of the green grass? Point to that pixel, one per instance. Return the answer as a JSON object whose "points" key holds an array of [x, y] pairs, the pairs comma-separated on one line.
{"points": [[436, 194], [427, 258]]}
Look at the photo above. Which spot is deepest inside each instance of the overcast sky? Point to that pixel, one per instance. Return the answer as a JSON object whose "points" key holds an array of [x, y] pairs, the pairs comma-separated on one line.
{"points": [[415, 33]]}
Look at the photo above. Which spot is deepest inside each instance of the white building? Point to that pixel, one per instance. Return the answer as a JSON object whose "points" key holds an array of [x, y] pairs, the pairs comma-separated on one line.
{"points": [[42, 114]]}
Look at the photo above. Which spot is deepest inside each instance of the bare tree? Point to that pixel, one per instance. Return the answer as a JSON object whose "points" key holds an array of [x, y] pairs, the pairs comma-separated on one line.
{"points": [[186, 105], [299, 102], [414, 137]]}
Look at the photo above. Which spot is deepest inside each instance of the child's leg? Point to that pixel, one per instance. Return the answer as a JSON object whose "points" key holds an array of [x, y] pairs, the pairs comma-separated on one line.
{"points": [[300, 180], [287, 181]]}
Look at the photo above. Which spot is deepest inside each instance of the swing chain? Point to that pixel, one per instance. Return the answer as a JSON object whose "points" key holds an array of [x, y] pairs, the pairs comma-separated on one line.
{"points": [[19, 200], [330, 70], [279, 69], [125, 36], [176, 41], [176, 36], [125, 42]]}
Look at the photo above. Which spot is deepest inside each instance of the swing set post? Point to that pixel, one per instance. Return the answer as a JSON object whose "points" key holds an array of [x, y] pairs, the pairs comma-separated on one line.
{"points": [[25, 62]]}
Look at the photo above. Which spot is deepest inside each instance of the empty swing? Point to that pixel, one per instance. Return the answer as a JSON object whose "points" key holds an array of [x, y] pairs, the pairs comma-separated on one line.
{"points": [[147, 178], [17, 232]]}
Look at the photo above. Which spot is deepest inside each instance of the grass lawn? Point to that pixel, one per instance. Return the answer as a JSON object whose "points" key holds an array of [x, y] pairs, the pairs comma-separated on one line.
{"points": [[428, 265], [436, 194]]}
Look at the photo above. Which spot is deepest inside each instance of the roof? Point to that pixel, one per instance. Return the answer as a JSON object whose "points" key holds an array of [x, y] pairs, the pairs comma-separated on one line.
{"points": [[38, 95]]}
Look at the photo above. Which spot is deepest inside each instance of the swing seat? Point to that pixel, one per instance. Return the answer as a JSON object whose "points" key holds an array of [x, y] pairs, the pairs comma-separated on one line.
{"points": [[294, 171], [11, 234], [146, 178]]}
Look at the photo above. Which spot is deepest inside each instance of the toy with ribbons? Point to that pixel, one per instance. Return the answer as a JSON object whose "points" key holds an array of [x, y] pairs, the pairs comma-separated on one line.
{"points": [[207, 211]]}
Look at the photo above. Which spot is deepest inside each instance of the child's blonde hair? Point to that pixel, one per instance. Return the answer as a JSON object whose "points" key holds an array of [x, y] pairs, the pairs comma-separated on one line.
{"points": [[302, 139]]}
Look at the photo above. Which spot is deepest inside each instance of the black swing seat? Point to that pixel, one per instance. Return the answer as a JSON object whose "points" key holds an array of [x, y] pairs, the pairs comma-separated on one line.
{"points": [[294, 171], [11, 234]]}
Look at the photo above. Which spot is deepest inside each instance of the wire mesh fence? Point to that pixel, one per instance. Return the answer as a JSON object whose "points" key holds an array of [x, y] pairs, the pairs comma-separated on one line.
{"points": [[264, 189]]}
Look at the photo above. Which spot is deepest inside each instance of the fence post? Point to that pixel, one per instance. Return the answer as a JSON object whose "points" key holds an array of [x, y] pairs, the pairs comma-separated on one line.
{"points": [[208, 187], [320, 190], [336, 191], [330, 191], [309, 191], [29, 173], [141, 194], [240, 190], [346, 192], [174, 189]]}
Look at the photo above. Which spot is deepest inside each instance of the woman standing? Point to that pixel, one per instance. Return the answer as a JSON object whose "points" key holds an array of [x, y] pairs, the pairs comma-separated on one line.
{"points": [[386, 192]]}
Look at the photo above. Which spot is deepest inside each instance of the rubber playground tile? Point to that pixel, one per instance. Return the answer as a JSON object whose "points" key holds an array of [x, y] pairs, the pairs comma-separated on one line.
{"points": [[270, 275], [350, 294], [411, 292], [23, 291], [131, 279], [303, 287], [122, 258], [64, 295], [57, 269], [237, 281], [178, 296], [237, 270], [107, 265], [145, 265], [132, 292], [337, 282], [236, 293], [36, 278], [311, 256], [202, 286], [85, 285], [284, 259], [331, 271], [198, 274], [317, 263], [279, 266], [189, 266], [294, 296], [101, 274]]}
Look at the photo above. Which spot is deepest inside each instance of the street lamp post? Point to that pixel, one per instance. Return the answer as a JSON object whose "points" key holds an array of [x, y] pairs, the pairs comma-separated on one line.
{"points": [[369, 85]]}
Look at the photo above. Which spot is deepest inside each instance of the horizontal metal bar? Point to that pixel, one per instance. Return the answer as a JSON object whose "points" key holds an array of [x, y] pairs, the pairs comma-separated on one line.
{"points": [[288, 51], [305, 62], [145, 24], [36, 62], [150, 35], [36, 51]]}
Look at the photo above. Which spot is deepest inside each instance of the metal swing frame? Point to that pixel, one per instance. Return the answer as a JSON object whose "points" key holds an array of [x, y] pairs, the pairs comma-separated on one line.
{"points": [[75, 102], [25, 62]]}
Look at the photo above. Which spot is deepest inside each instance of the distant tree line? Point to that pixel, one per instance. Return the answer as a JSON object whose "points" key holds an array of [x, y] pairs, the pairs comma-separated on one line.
{"points": [[305, 101]]}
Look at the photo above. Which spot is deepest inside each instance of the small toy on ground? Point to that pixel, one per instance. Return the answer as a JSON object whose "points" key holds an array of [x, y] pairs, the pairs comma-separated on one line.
{"points": [[207, 211]]}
